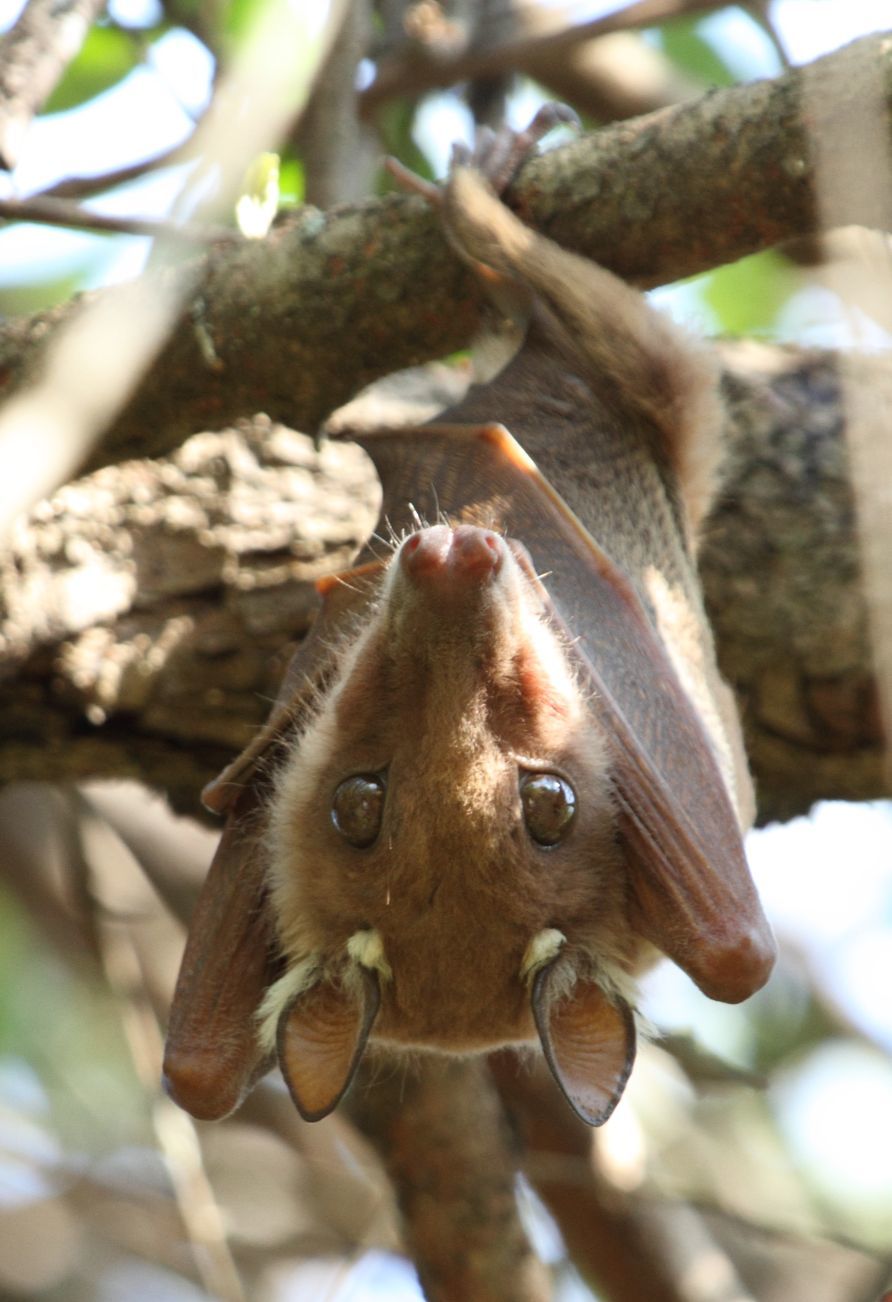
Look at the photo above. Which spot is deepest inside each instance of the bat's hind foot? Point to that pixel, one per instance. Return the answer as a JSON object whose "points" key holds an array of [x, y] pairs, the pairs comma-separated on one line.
{"points": [[497, 155]]}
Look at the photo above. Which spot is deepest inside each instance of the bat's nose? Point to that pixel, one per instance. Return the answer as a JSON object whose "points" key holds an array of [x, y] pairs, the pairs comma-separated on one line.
{"points": [[466, 555]]}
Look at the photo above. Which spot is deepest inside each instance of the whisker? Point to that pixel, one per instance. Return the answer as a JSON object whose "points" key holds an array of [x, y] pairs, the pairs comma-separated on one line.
{"points": [[385, 542], [344, 584]]}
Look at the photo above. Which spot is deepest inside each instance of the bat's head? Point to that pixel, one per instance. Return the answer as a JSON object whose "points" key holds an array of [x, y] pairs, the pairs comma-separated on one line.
{"points": [[443, 862]]}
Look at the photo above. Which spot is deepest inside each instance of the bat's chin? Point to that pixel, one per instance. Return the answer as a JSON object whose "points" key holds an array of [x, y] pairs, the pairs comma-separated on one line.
{"points": [[433, 1029]]}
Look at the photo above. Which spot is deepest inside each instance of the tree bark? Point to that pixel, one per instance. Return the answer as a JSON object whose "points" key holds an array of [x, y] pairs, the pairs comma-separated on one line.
{"points": [[34, 54], [150, 609]]}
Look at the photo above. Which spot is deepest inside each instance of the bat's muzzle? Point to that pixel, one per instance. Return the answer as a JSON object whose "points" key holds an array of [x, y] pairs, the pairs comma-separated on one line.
{"points": [[452, 560]]}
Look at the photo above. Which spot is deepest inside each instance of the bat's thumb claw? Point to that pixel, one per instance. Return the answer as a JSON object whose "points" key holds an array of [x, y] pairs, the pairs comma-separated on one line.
{"points": [[552, 115], [411, 182], [461, 155]]}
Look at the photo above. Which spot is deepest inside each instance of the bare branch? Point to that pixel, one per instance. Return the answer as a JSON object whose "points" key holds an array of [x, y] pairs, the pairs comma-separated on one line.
{"points": [[34, 53], [84, 187], [338, 151], [621, 1245], [409, 73], [93, 362], [48, 211]]}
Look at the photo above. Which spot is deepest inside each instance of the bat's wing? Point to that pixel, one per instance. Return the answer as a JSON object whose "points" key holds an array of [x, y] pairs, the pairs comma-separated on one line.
{"points": [[692, 894], [212, 1056]]}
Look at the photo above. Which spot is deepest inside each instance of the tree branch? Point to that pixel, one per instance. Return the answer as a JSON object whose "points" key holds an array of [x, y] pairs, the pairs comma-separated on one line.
{"points": [[410, 73], [148, 608], [34, 54], [655, 199], [84, 187], [49, 211], [619, 1244]]}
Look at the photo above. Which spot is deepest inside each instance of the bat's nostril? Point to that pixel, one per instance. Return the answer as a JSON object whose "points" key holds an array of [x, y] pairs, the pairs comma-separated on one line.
{"points": [[447, 556], [426, 552], [475, 552]]}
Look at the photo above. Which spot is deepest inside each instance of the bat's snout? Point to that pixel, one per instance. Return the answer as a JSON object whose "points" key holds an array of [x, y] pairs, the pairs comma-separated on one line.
{"points": [[452, 559]]}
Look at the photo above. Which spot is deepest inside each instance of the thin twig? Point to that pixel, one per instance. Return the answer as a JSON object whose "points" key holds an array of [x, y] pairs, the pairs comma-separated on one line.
{"points": [[760, 12], [174, 1131], [84, 187], [59, 212], [409, 73]]}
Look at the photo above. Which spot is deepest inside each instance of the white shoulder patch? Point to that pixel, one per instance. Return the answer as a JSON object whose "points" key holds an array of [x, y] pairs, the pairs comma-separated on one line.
{"points": [[544, 946], [367, 949]]}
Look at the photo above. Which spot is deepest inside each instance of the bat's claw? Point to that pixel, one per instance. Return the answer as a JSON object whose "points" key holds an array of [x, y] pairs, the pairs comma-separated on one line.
{"points": [[410, 181], [495, 154], [499, 154]]}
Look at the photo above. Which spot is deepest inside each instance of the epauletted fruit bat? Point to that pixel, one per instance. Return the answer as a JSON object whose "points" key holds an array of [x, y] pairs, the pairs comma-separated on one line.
{"points": [[503, 771]]}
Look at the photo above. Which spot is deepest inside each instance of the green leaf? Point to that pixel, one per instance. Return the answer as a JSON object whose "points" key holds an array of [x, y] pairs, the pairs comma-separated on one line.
{"points": [[105, 58], [21, 298], [238, 18], [747, 296], [292, 185], [257, 205], [693, 54]]}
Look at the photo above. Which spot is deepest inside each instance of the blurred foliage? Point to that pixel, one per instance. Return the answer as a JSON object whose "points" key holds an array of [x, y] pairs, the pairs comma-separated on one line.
{"points": [[75, 1044], [683, 41], [747, 296], [106, 57], [19, 298], [292, 183]]}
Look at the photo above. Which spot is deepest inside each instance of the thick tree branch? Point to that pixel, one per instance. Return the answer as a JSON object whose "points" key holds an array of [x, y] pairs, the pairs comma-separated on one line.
{"points": [[295, 324], [148, 608], [781, 570]]}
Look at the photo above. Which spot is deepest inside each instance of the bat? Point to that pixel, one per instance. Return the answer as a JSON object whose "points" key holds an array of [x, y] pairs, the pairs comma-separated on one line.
{"points": [[503, 773]]}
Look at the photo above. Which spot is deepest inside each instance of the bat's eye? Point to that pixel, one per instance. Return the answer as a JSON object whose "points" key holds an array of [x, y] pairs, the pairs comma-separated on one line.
{"points": [[549, 806], [357, 808]]}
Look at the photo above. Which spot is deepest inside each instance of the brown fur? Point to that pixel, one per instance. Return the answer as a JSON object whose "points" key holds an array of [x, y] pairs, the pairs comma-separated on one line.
{"points": [[448, 703]]}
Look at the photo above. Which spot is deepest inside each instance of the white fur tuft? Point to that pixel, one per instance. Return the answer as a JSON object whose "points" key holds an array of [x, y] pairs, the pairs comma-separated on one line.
{"points": [[367, 949], [279, 996], [544, 946]]}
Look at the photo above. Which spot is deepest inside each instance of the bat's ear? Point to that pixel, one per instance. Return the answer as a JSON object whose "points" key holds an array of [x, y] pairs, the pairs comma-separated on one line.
{"points": [[320, 1039], [589, 1043]]}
